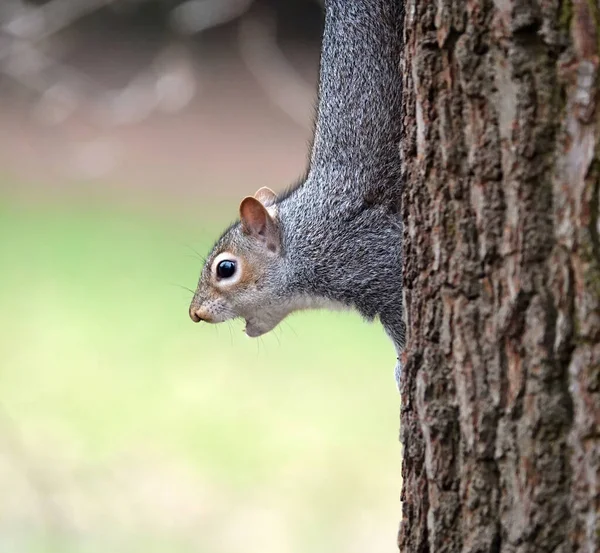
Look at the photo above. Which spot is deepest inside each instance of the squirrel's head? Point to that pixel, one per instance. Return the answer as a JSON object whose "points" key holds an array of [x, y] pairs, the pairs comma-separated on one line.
{"points": [[240, 276]]}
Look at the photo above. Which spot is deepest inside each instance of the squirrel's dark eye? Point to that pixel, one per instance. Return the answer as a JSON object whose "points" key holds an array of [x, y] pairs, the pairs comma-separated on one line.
{"points": [[226, 269]]}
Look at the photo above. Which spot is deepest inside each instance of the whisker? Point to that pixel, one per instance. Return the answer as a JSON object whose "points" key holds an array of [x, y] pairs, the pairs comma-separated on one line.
{"points": [[196, 257], [182, 287], [262, 341], [229, 325], [290, 327], [276, 335], [198, 254]]}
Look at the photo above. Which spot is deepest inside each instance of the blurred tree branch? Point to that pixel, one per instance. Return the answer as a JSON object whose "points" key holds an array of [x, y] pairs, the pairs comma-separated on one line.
{"points": [[58, 88], [278, 78], [195, 16]]}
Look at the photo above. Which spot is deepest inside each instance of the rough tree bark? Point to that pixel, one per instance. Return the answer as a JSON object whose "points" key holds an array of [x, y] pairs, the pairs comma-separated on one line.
{"points": [[500, 419]]}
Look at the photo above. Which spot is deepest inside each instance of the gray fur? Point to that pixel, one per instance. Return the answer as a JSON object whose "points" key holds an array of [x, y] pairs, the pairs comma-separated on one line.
{"points": [[340, 229]]}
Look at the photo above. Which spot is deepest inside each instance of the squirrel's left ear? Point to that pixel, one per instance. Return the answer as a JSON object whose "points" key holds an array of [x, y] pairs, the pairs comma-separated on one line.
{"points": [[257, 222], [266, 196]]}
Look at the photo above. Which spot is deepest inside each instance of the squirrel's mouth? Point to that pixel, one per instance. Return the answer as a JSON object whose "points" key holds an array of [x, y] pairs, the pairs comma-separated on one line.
{"points": [[255, 328]]}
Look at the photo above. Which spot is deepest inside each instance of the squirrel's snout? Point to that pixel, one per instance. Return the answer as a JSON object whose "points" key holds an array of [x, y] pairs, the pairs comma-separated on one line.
{"points": [[195, 315]]}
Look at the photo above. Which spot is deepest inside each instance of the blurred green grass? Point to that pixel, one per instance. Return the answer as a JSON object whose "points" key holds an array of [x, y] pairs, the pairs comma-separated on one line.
{"points": [[103, 373]]}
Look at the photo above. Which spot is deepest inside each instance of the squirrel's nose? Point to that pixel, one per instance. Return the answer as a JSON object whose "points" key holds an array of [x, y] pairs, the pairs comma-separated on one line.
{"points": [[195, 314]]}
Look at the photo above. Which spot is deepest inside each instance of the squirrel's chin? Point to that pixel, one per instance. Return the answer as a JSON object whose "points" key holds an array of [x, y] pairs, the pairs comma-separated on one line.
{"points": [[253, 331]]}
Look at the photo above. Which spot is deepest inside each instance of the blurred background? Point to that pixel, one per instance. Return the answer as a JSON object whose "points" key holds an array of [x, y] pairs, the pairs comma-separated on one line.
{"points": [[129, 131]]}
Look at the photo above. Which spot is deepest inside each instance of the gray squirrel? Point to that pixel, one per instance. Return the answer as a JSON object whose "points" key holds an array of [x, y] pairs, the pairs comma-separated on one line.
{"points": [[334, 240]]}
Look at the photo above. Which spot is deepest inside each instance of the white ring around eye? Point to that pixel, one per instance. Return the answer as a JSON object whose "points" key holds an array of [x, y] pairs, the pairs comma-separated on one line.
{"points": [[235, 278]]}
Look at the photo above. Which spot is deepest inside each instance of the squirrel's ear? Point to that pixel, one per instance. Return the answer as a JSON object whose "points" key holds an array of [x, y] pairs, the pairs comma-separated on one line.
{"points": [[257, 222], [266, 196]]}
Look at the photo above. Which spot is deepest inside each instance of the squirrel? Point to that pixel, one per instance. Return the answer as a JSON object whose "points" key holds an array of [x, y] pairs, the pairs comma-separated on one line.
{"points": [[333, 240]]}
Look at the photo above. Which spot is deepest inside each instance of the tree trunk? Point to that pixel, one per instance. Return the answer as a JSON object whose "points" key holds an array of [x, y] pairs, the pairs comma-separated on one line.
{"points": [[500, 419]]}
